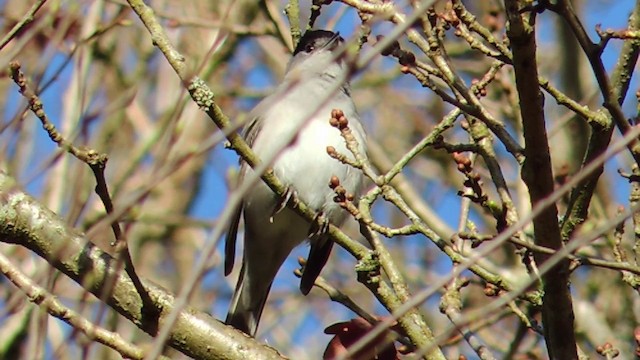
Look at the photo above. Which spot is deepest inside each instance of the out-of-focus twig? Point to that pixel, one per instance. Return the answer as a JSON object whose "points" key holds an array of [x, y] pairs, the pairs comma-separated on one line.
{"points": [[97, 162], [53, 306], [24, 222], [26, 19]]}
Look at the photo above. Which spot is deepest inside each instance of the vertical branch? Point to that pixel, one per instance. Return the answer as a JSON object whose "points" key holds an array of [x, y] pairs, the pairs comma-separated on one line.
{"points": [[621, 76], [613, 91], [612, 97], [557, 309]]}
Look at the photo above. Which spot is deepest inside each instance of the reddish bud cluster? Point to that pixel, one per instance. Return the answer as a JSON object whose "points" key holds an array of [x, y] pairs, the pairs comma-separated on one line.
{"points": [[479, 91], [449, 16], [334, 182], [607, 350], [342, 196], [491, 290], [338, 120], [463, 162]]}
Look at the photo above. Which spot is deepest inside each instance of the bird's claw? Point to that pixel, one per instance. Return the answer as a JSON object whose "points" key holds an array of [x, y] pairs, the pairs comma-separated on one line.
{"points": [[319, 226], [289, 194]]}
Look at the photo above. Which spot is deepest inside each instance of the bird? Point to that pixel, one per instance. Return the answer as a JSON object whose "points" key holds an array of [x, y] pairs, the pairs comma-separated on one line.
{"points": [[315, 79]]}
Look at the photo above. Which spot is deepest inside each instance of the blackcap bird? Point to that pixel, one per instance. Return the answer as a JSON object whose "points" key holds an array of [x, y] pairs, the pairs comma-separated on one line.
{"points": [[314, 84]]}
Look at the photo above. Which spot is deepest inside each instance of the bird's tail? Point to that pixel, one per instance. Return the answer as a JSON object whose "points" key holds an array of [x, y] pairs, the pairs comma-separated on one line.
{"points": [[246, 309]]}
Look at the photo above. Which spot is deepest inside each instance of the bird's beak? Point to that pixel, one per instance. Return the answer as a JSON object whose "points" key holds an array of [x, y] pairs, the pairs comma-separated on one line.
{"points": [[333, 42]]}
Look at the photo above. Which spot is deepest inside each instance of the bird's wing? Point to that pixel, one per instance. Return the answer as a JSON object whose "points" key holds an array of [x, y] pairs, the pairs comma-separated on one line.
{"points": [[249, 133], [318, 256], [230, 241]]}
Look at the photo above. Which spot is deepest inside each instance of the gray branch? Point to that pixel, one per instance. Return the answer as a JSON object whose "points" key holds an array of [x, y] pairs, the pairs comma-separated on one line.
{"points": [[25, 222]]}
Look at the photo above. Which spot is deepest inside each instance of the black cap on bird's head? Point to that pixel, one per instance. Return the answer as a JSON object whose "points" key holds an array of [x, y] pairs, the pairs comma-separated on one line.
{"points": [[316, 54], [314, 40]]}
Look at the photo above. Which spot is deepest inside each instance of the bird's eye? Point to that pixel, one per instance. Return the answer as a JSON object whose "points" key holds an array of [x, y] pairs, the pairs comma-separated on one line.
{"points": [[309, 47]]}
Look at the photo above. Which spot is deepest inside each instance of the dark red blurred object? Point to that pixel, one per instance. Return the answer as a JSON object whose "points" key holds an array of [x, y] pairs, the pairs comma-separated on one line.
{"points": [[347, 333]]}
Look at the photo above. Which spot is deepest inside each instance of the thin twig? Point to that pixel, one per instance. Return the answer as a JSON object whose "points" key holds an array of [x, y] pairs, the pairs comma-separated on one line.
{"points": [[26, 19], [50, 304], [97, 162]]}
